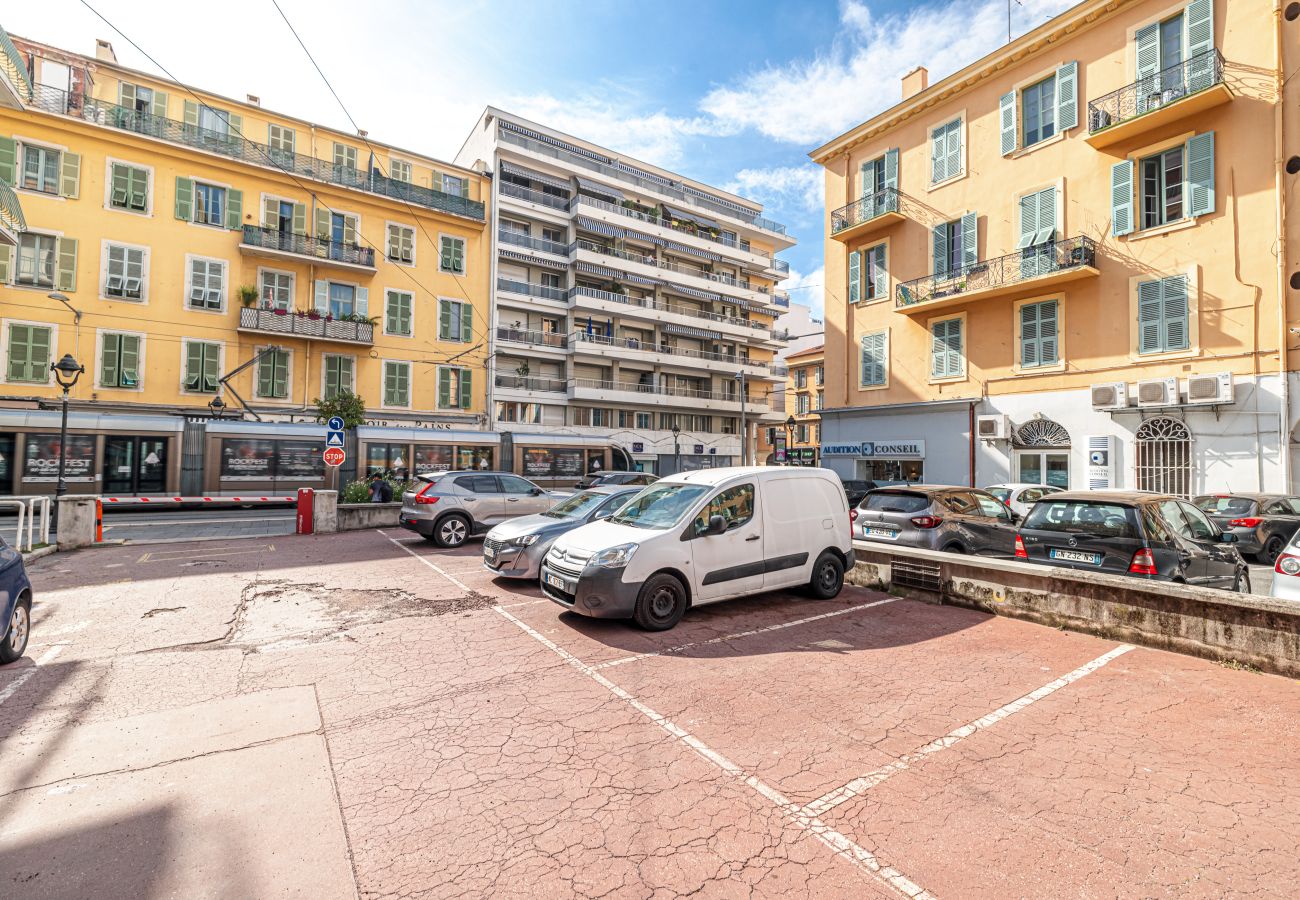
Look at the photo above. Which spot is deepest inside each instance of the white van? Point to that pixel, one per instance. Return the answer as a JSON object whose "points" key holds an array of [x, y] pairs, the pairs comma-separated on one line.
{"points": [[705, 536]]}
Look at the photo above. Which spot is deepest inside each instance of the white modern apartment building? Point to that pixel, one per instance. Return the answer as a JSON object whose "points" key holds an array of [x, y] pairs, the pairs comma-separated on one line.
{"points": [[629, 301]]}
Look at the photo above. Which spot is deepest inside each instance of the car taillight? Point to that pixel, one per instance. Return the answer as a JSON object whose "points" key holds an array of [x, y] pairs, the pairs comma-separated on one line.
{"points": [[420, 496], [927, 521], [1021, 552], [1144, 563], [1246, 522], [853, 516], [1287, 564]]}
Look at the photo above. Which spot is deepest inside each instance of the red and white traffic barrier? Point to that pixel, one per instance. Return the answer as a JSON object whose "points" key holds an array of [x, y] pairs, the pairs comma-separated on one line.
{"points": [[167, 501]]}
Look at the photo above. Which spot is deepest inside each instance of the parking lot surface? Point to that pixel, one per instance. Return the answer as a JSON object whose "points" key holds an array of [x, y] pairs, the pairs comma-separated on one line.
{"points": [[365, 715]]}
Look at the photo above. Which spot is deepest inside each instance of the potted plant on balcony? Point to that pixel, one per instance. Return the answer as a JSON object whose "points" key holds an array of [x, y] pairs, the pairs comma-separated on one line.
{"points": [[247, 294]]}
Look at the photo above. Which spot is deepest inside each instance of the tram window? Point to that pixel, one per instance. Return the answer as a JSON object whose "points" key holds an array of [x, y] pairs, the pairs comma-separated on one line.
{"points": [[433, 458], [471, 458]]}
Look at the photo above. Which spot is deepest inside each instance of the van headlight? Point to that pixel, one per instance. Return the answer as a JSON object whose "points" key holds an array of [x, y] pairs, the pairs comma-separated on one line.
{"points": [[525, 540], [614, 557]]}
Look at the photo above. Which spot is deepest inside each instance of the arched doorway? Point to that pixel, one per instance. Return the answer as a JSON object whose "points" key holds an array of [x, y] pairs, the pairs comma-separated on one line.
{"points": [[1041, 450], [1164, 457]]}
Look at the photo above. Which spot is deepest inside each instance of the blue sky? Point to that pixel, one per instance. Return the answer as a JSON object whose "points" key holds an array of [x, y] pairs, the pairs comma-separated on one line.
{"points": [[732, 94]]}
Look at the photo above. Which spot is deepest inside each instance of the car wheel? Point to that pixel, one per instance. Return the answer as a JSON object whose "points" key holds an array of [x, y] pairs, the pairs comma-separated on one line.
{"points": [[15, 640], [954, 548], [1272, 550], [1241, 584], [827, 577], [451, 531], [661, 603]]}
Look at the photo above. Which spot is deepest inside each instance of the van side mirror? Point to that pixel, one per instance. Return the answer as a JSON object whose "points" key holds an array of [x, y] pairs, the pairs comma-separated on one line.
{"points": [[717, 525]]}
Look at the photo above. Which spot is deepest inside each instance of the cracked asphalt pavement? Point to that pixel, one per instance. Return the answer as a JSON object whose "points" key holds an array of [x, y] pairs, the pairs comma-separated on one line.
{"points": [[363, 715]]}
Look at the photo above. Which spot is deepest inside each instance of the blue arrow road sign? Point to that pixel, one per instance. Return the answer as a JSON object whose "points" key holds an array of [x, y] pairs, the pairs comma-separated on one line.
{"points": [[335, 423], [334, 439]]}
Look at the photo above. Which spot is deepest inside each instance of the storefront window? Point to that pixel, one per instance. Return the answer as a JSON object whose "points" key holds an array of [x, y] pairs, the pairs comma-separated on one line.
{"points": [[433, 458], [6, 463], [544, 462], [474, 458], [595, 461], [41, 462], [892, 470]]}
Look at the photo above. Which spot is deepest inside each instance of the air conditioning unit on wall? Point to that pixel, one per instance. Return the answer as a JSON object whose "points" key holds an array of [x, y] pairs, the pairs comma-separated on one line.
{"points": [[992, 428], [1210, 388], [1111, 395], [1158, 392]]}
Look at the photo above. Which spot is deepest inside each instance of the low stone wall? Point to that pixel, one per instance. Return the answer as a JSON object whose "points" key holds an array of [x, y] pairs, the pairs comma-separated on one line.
{"points": [[355, 516], [1218, 625]]}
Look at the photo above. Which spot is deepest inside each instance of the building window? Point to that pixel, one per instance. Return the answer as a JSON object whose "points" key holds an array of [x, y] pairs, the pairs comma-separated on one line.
{"points": [[124, 275], [643, 420], [397, 312], [342, 299], [600, 417], [1038, 109], [875, 285], [130, 188], [801, 434], [399, 170], [455, 321], [273, 375], [1162, 188], [280, 138], [345, 157], [207, 284], [338, 376], [202, 367], [40, 169], [401, 243], [821, 375], [945, 151], [1163, 315], [875, 359], [119, 361], [801, 404], [821, 396], [452, 258], [1164, 457], [454, 186], [801, 378], [277, 290], [29, 353], [397, 383], [209, 204], [36, 257], [455, 388], [1039, 334], [947, 246], [524, 413], [947, 359]]}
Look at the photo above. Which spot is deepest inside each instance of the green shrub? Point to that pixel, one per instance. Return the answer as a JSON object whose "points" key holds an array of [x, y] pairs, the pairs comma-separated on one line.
{"points": [[356, 492]]}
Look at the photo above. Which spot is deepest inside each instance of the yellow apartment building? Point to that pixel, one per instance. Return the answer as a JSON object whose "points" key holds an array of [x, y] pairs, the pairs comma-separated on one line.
{"points": [[1062, 264], [214, 259]]}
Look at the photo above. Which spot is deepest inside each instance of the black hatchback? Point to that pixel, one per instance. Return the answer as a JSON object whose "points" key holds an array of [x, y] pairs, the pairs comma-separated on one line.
{"points": [[1263, 523], [1153, 536]]}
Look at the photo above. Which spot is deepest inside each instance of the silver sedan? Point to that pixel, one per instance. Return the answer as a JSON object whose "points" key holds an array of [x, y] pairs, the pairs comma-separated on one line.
{"points": [[515, 549]]}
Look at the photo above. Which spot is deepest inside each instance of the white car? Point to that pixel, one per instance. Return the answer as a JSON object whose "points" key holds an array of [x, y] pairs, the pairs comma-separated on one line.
{"points": [[1286, 572], [704, 536], [1020, 497]]}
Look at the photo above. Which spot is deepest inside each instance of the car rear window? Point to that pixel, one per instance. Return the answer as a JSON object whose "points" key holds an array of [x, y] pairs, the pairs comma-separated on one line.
{"points": [[895, 501], [1226, 506], [1083, 517]]}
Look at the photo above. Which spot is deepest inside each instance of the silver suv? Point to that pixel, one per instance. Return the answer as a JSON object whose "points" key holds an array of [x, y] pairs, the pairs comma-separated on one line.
{"points": [[449, 507]]}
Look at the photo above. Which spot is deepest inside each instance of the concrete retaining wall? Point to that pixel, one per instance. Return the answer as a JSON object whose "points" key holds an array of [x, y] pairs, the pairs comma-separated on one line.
{"points": [[354, 516], [1214, 624]]}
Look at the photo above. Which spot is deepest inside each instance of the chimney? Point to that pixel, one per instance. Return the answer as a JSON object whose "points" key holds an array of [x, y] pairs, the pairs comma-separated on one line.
{"points": [[915, 81], [104, 51], [253, 99]]}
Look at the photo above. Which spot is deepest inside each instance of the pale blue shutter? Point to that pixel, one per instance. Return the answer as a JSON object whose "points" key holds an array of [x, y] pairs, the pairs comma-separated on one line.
{"points": [[938, 156], [1175, 313], [1150, 316], [1121, 198], [873, 359], [946, 349], [1046, 217], [879, 274], [855, 277], [954, 149], [1067, 96], [891, 169], [1048, 332], [1148, 66], [969, 240], [1199, 19], [868, 173], [939, 247], [956, 350], [1028, 221], [363, 302], [322, 296], [1007, 115], [1200, 174]]}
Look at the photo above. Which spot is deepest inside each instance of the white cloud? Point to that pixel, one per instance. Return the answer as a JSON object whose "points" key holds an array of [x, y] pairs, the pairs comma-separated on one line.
{"points": [[809, 101], [790, 187], [807, 290]]}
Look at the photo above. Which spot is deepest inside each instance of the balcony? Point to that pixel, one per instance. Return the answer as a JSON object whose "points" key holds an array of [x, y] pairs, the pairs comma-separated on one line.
{"points": [[273, 244], [660, 395], [740, 287], [12, 222], [529, 383], [528, 195], [541, 339], [1175, 93], [541, 291], [15, 85], [1032, 270], [653, 310], [531, 243], [630, 348], [678, 228], [866, 215], [287, 323], [234, 146]]}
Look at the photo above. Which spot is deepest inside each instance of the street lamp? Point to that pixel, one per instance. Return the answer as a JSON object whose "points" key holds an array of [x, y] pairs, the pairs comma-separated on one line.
{"points": [[62, 298], [218, 407], [677, 450], [744, 432], [789, 439], [66, 372]]}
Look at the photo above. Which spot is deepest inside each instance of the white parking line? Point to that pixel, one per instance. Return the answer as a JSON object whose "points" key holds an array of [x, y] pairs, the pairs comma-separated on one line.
{"points": [[452, 578], [859, 786], [525, 603], [741, 634], [833, 839], [46, 658]]}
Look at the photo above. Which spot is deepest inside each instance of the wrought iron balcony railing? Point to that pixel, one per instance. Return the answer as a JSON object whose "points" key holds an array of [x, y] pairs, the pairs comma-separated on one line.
{"points": [[11, 65], [306, 325], [864, 209], [11, 211], [236, 147], [1032, 262], [545, 291], [535, 338], [1152, 92], [302, 245], [530, 383]]}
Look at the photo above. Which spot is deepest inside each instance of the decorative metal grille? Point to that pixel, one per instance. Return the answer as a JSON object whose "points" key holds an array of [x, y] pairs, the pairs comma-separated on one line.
{"points": [[1031, 262], [1041, 433], [1164, 457]]}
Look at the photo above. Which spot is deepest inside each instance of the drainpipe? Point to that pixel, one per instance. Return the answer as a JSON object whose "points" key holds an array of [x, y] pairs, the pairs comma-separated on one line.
{"points": [[1284, 413], [490, 361], [972, 443]]}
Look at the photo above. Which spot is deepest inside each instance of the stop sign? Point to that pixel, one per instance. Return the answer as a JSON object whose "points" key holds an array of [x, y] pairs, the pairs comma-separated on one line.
{"points": [[334, 456]]}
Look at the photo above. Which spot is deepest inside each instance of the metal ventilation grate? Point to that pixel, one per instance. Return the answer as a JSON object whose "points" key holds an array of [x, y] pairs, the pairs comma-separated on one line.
{"points": [[918, 575]]}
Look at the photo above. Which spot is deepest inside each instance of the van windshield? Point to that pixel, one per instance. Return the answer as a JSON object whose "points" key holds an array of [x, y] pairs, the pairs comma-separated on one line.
{"points": [[660, 506]]}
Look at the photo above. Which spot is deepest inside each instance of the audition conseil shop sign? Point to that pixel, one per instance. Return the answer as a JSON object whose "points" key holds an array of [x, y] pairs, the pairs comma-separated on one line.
{"points": [[878, 450]]}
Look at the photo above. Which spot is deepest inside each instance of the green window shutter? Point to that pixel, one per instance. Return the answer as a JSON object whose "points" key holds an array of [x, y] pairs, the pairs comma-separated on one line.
{"points": [[6, 262], [1200, 174], [466, 382], [938, 156], [19, 352], [444, 388], [350, 230], [391, 317], [194, 366], [270, 212], [211, 373], [138, 185], [129, 357], [1046, 217], [120, 195], [347, 379], [855, 277], [392, 251], [458, 255], [1121, 198], [1150, 316], [1007, 119], [65, 275], [954, 149], [1030, 337], [300, 218], [266, 376], [969, 240], [879, 273], [1049, 332], [29, 353], [939, 248], [362, 305], [236, 123], [868, 173], [390, 386], [466, 323], [8, 160], [234, 210], [191, 113], [108, 361], [332, 373], [159, 104], [70, 175], [1175, 313], [873, 360], [322, 223], [185, 199], [444, 320], [126, 94], [321, 298], [891, 169], [938, 350], [1067, 96], [956, 347]]}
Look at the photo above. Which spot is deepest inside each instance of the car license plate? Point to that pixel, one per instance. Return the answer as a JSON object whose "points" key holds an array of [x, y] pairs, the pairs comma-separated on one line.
{"points": [[1076, 556], [489, 553], [556, 581], [888, 534]]}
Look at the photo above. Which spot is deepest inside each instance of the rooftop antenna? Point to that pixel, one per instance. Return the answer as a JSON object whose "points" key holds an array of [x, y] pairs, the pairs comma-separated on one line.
{"points": [[1018, 3]]}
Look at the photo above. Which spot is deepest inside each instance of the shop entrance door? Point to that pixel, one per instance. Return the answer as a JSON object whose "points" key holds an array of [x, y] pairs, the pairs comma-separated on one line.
{"points": [[1043, 467], [134, 465]]}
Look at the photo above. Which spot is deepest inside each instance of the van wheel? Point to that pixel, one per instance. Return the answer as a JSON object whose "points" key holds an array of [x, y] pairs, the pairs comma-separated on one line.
{"points": [[451, 531], [827, 577], [661, 603], [14, 643]]}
